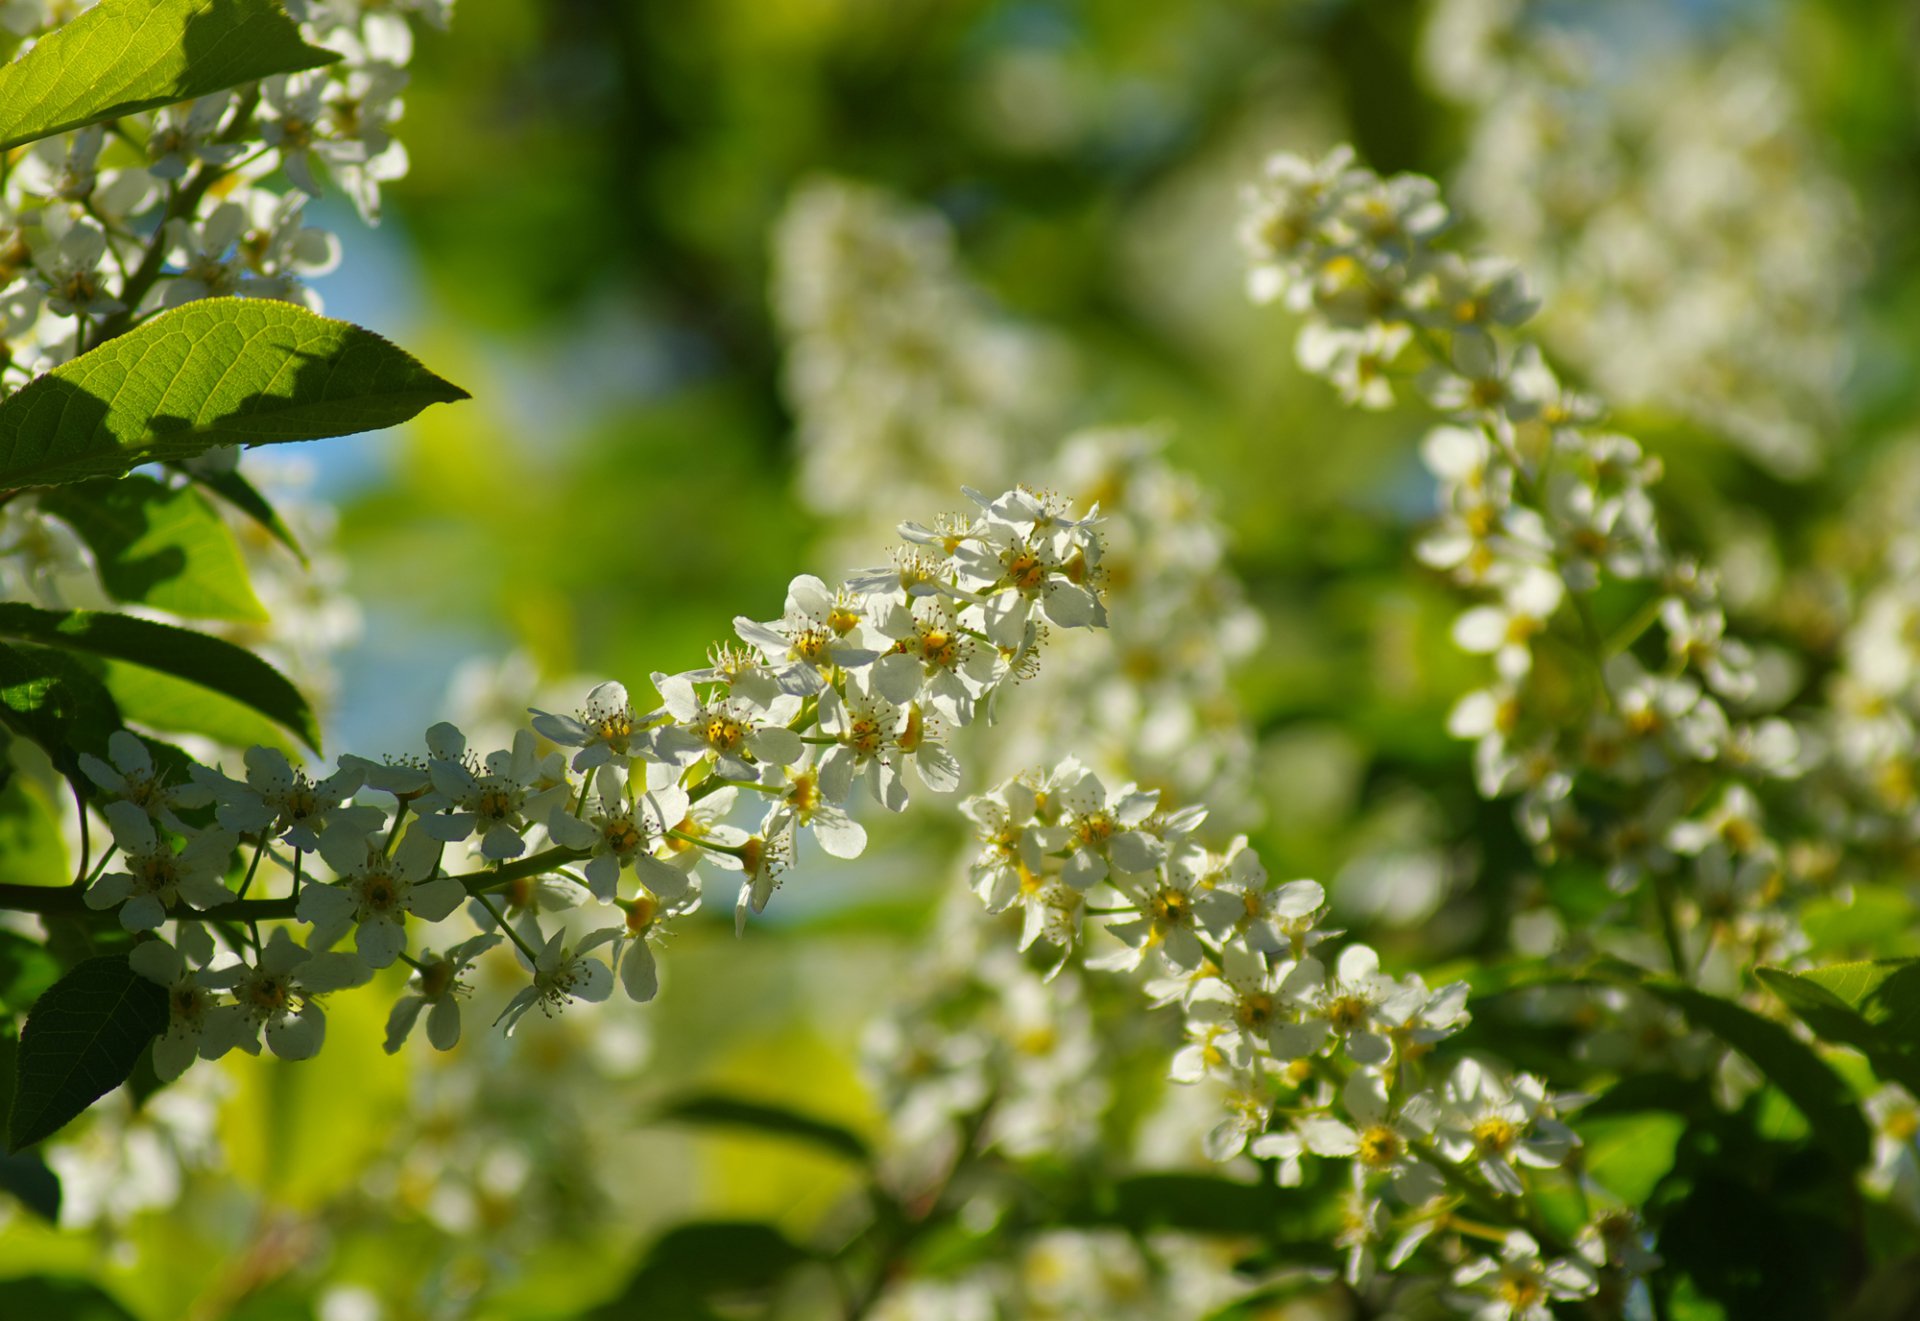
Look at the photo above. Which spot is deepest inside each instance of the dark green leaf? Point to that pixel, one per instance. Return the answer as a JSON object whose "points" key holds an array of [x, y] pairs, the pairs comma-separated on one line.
{"points": [[733, 1112], [23, 1175], [693, 1263], [51, 1297], [124, 56], [48, 697], [207, 661], [221, 371], [1788, 1063], [160, 546], [26, 1177], [81, 1040]]}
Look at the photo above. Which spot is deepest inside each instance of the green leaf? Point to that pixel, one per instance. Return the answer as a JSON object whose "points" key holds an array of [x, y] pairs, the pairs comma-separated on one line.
{"points": [[47, 696], [1629, 1154], [161, 546], [728, 1111], [80, 1042], [1873, 1007], [693, 1263], [1820, 1095], [160, 701], [1876, 920], [207, 661], [244, 496], [221, 371], [125, 56], [53, 1296]]}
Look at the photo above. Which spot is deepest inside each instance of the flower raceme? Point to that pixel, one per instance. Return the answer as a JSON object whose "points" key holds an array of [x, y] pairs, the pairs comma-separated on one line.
{"points": [[589, 846]]}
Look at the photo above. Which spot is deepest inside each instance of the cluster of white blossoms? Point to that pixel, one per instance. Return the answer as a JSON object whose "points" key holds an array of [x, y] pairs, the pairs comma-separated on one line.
{"points": [[1648, 749], [1698, 255], [861, 278], [901, 378], [852, 690], [905, 385], [1322, 1057]]}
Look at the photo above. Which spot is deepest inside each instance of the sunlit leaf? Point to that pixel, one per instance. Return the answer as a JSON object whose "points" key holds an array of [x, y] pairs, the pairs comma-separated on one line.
{"points": [[221, 371], [124, 56], [160, 546], [1873, 1007]]}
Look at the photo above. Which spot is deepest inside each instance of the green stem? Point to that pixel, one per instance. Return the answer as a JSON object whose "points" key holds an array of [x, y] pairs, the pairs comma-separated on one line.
{"points": [[685, 838], [254, 866], [501, 919]]}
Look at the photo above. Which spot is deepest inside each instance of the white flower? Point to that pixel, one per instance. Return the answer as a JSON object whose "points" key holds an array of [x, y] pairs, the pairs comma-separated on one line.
{"points": [[188, 131], [647, 916], [1235, 897], [189, 1008], [865, 727], [934, 657], [1382, 1140], [211, 265], [561, 975], [155, 878], [436, 987], [1493, 1124], [1521, 1285], [606, 730], [622, 834], [807, 643], [1102, 834], [281, 993], [281, 252], [500, 797], [805, 800], [731, 729], [1506, 631], [1356, 1004], [279, 801], [376, 891], [131, 776], [68, 252], [1359, 362]]}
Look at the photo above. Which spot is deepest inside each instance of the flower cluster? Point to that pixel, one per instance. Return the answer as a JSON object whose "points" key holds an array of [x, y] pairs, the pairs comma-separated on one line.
{"points": [[1645, 745], [1318, 1056], [617, 810], [1672, 203], [902, 378]]}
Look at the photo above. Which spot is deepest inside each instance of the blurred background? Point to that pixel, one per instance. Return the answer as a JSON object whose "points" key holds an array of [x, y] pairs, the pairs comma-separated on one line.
{"points": [[626, 228]]}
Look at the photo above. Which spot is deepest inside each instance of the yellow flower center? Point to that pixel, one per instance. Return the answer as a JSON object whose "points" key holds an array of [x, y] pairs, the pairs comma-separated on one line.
{"points": [[723, 732], [1380, 1147], [1348, 1013], [623, 836], [1493, 1136]]}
